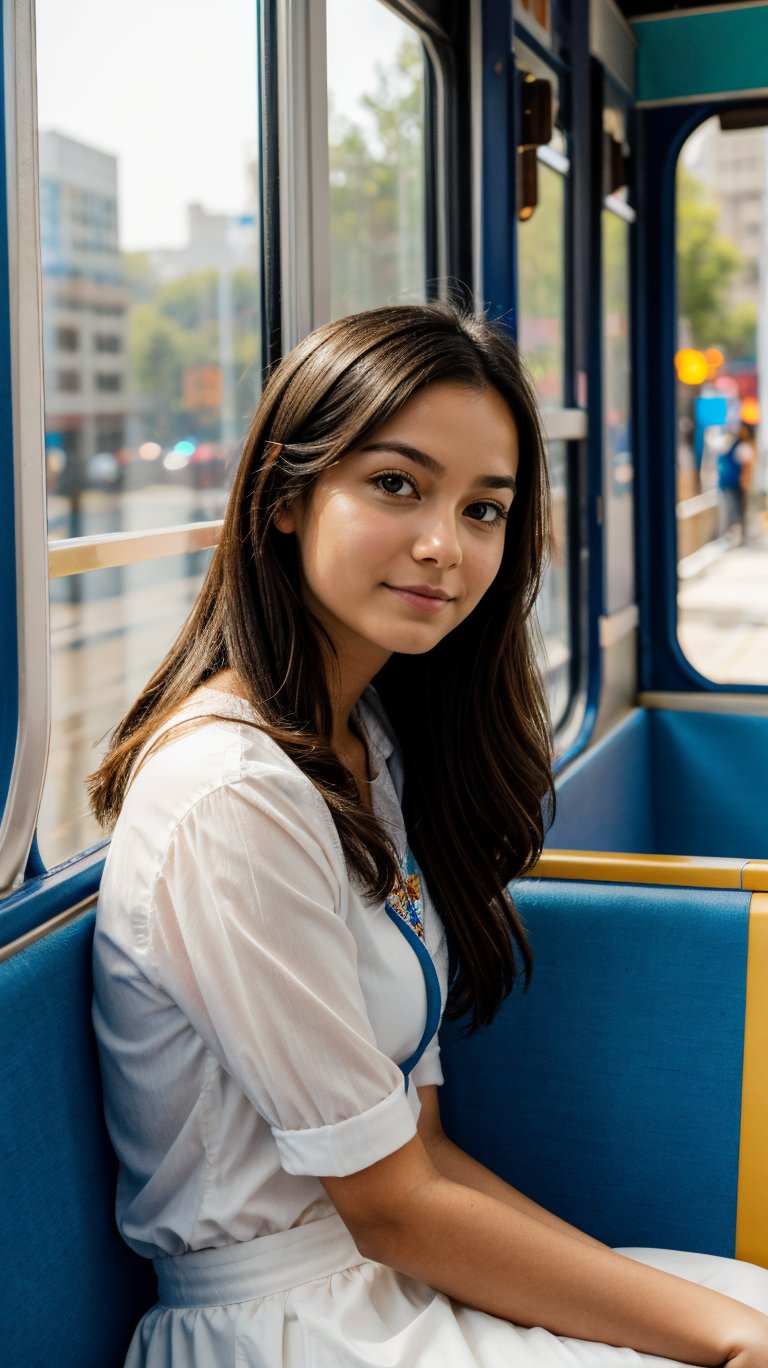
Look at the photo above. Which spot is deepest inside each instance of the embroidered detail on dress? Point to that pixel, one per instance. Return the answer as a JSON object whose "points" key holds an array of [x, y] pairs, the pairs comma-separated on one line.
{"points": [[406, 898]]}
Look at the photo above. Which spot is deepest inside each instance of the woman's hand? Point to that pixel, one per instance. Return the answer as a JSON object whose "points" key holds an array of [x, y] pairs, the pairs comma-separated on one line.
{"points": [[753, 1352]]}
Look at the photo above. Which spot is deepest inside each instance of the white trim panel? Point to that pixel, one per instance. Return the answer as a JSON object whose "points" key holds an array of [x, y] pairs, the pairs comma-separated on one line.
{"points": [[620, 208], [617, 626], [614, 44], [707, 702], [565, 425], [305, 224], [554, 160], [28, 774]]}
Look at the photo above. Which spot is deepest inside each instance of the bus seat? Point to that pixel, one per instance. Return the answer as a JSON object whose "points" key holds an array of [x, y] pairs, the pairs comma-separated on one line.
{"points": [[72, 1289], [669, 783], [611, 1092]]}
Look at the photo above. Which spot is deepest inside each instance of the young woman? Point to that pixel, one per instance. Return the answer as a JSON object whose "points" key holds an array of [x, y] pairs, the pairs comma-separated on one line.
{"points": [[351, 717]]}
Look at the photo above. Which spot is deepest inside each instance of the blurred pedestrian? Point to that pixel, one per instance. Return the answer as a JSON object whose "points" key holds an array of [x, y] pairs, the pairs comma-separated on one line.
{"points": [[734, 477]]}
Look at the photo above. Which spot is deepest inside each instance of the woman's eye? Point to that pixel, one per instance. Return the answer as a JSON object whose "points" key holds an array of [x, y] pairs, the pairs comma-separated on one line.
{"points": [[393, 483], [485, 512]]}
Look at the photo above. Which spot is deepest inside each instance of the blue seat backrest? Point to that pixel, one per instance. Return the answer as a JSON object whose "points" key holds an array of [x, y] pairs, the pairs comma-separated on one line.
{"points": [[710, 789], [669, 783], [72, 1291], [605, 800], [610, 1092]]}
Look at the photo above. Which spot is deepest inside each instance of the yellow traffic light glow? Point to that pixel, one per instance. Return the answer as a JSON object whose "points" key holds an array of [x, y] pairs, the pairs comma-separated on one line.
{"points": [[691, 366]]}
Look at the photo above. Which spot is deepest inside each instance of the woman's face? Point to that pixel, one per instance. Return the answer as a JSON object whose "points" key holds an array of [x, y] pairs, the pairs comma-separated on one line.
{"points": [[399, 542]]}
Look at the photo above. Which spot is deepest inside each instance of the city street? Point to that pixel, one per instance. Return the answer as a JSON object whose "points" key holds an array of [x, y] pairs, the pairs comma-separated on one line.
{"points": [[723, 614]]}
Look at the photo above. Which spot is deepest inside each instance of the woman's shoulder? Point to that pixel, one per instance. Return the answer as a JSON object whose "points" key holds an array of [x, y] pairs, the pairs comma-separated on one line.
{"points": [[204, 759]]}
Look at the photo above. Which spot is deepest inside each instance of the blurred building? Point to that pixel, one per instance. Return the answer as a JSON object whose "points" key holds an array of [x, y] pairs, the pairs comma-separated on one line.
{"points": [[732, 165], [85, 311], [215, 242]]}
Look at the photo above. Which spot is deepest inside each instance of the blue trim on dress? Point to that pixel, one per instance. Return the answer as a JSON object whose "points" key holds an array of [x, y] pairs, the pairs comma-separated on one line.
{"points": [[431, 981]]}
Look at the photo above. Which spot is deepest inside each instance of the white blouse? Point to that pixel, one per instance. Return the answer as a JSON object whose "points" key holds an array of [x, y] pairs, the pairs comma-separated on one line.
{"points": [[251, 1006]]}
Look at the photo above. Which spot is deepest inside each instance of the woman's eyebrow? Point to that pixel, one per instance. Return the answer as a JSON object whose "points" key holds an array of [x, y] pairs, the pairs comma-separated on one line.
{"points": [[429, 463], [411, 454]]}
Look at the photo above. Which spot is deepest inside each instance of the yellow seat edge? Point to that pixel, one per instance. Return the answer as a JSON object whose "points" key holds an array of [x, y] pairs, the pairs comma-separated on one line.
{"points": [[752, 1198]]}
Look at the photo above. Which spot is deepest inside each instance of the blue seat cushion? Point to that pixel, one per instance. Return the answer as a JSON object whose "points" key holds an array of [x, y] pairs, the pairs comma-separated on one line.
{"points": [[72, 1290]]}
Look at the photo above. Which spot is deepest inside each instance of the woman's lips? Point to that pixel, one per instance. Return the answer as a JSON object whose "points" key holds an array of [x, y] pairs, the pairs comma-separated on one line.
{"points": [[426, 600]]}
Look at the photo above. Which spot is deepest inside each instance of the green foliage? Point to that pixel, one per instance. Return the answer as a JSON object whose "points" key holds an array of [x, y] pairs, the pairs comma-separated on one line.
{"points": [[541, 287], [377, 190], [708, 266], [176, 326]]}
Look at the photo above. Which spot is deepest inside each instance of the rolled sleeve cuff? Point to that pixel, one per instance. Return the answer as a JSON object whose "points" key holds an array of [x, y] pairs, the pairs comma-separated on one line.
{"points": [[351, 1145]]}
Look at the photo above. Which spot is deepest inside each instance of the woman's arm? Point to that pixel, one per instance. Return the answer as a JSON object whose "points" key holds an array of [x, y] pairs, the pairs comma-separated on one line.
{"points": [[489, 1254], [451, 1162]]}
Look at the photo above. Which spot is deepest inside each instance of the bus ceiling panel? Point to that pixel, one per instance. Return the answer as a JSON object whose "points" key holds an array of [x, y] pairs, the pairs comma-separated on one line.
{"points": [[22, 801], [707, 53]]}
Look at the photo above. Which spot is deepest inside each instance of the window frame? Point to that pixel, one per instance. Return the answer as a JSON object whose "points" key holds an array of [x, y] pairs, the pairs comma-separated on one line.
{"points": [[570, 421], [664, 669], [25, 583]]}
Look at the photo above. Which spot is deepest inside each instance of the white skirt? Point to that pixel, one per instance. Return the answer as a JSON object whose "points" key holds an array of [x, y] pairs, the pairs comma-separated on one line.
{"points": [[305, 1298]]}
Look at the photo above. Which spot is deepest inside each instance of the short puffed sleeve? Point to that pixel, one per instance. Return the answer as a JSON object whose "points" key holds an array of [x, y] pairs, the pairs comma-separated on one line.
{"points": [[429, 1070], [249, 938]]}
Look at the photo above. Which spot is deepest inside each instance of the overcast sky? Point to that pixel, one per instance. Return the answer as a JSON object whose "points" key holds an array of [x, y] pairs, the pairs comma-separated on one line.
{"points": [[169, 87]]}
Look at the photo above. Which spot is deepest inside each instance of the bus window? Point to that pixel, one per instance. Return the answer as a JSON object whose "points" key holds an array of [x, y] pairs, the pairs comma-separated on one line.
{"points": [[109, 631], [721, 364], [541, 288], [376, 130], [553, 606], [542, 337], [618, 472], [150, 242]]}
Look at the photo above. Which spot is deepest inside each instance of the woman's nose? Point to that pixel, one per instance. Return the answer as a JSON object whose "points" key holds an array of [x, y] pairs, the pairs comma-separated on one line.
{"points": [[438, 542]]}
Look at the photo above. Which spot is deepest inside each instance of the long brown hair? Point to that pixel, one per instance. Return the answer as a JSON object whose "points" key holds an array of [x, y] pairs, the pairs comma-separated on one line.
{"points": [[470, 715]]}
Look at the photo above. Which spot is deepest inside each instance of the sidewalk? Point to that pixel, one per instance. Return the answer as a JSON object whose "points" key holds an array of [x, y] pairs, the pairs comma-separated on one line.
{"points": [[723, 614]]}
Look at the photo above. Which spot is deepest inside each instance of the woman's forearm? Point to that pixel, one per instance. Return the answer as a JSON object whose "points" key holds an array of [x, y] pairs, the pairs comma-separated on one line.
{"points": [[490, 1255], [454, 1163]]}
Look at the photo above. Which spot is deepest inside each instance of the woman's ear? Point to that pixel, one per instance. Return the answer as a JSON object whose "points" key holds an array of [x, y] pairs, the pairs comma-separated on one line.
{"points": [[284, 517]]}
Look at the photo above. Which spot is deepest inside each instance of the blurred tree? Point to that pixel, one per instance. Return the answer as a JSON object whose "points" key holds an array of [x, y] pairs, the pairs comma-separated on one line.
{"points": [[176, 326], [709, 265], [541, 287], [377, 189]]}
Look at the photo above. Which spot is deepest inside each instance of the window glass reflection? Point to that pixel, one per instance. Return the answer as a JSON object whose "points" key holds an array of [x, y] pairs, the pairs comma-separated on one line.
{"points": [[110, 629], [553, 606], [617, 431], [150, 256], [721, 365], [377, 162], [541, 288]]}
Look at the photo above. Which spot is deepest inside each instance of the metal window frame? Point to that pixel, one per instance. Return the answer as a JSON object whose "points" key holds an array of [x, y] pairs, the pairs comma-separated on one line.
{"points": [[301, 129], [22, 803]]}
